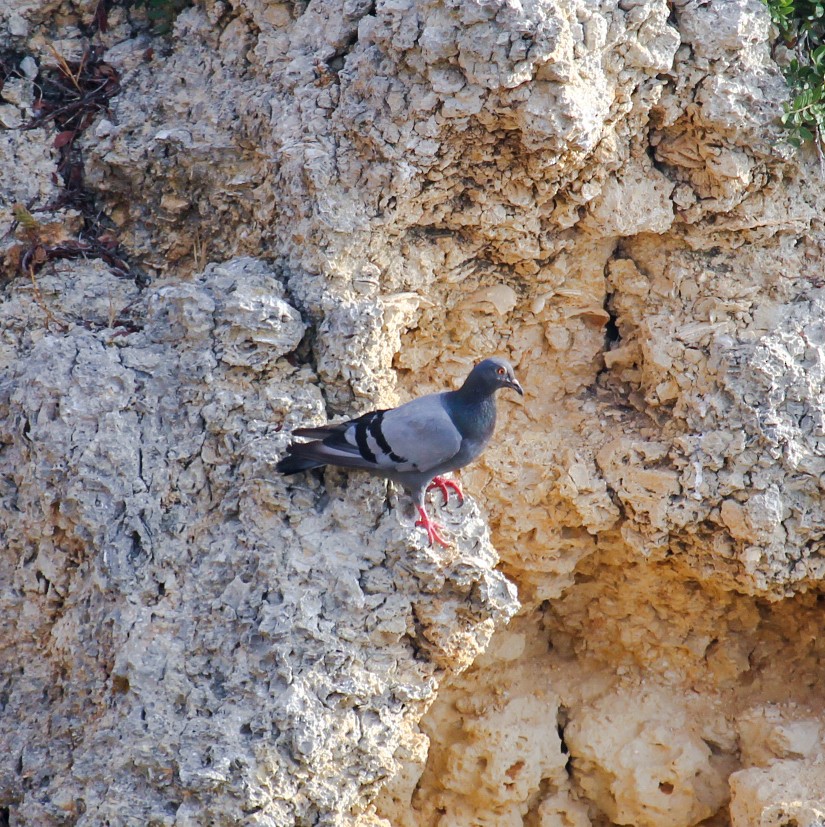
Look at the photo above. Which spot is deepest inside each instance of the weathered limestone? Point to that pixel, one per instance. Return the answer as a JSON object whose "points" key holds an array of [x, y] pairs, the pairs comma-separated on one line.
{"points": [[339, 205], [157, 594]]}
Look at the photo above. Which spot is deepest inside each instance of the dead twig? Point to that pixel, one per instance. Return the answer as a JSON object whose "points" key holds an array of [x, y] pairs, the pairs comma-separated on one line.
{"points": [[38, 297], [71, 96]]}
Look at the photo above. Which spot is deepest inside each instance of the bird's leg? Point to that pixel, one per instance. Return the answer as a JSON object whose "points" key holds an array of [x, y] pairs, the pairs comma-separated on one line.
{"points": [[445, 486], [431, 528]]}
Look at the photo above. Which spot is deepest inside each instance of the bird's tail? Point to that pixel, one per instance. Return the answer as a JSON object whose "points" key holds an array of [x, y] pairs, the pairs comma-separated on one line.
{"points": [[294, 463], [304, 455]]}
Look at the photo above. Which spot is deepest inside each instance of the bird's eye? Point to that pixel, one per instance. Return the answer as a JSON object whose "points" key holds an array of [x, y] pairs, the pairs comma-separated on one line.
{"points": [[501, 371]]}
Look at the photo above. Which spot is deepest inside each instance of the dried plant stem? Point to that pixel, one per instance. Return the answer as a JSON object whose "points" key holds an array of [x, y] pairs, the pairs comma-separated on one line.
{"points": [[38, 297]]}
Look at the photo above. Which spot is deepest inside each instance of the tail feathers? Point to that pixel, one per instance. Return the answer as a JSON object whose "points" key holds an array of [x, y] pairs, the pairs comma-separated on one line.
{"points": [[305, 455], [321, 432], [294, 463]]}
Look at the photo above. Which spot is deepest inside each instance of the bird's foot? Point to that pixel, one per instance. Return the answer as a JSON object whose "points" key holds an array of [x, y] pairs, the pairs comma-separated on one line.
{"points": [[431, 528], [445, 486]]}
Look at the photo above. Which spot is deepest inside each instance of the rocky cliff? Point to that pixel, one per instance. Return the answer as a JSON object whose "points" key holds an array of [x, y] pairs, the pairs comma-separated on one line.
{"points": [[224, 219]]}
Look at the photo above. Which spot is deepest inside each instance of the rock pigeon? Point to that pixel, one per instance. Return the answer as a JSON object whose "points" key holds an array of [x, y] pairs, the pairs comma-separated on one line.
{"points": [[415, 443]]}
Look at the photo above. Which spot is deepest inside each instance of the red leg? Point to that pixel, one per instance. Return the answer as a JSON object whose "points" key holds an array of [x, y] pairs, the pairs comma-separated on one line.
{"points": [[445, 486], [431, 528]]}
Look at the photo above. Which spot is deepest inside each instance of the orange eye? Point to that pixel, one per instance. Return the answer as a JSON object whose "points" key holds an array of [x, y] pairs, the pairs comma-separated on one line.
{"points": [[501, 371]]}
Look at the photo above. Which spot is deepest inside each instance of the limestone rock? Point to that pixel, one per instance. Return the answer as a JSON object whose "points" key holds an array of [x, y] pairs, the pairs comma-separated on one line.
{"points": [[786, 793], [156, 595], [643, 761], [333, 206]]}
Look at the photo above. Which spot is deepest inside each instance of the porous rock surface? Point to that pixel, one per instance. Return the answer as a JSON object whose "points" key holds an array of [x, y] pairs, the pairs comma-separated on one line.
{"points": [[336, 205], [260, 649]]}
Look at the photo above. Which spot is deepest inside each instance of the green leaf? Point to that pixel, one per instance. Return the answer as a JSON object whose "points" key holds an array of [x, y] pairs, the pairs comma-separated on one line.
{"points": [[801, 24]]}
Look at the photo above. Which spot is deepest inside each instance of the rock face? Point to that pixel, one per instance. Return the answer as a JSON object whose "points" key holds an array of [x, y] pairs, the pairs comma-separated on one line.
{"points": [[157, 594], [325, 207]]}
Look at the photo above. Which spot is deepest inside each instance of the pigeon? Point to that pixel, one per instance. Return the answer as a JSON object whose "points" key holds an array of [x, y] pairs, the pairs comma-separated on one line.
{"points": [[415, 443]]}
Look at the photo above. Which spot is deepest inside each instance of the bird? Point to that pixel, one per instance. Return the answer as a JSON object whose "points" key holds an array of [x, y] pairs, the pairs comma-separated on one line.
{"points": [[415, 443]]}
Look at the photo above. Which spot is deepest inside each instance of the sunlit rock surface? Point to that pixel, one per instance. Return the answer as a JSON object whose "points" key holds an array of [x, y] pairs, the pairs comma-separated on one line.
{"points": [[336, 206]]}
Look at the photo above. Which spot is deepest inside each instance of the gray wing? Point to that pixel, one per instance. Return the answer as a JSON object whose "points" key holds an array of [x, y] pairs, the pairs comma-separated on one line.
{"points": [[417, 436], [412, 438]]}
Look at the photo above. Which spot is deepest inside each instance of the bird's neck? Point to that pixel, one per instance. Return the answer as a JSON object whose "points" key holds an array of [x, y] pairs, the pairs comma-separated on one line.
{"points": [[472, 410]]}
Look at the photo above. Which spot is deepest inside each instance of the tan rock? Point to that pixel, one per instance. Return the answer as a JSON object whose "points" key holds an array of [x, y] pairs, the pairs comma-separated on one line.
{"points": [[786, 792], [336, 206]]}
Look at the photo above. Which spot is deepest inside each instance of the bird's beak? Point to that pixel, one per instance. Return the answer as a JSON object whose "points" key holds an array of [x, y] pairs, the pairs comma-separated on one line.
{"points": [[514, 384]]}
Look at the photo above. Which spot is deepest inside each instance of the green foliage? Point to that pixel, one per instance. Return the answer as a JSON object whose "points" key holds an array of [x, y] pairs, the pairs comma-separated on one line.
{"points": [[801, 24], [798, 17], [162, 13], [804, 116]]}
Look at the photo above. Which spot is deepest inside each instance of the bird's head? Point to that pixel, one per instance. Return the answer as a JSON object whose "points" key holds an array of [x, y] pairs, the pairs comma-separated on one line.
{"points": [[493, 373]]}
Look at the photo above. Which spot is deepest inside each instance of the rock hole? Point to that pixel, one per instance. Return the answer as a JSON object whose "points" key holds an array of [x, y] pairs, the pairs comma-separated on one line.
{"points": [[515, 769], [42, 582], [562, 719], [715, 749], [137, 547], [5, 816], [666, 787], [560, 730], [612, 337]]}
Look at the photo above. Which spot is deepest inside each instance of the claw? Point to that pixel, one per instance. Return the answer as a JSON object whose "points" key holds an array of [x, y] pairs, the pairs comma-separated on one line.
{"points": [[431, 528], [445, 486]]}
